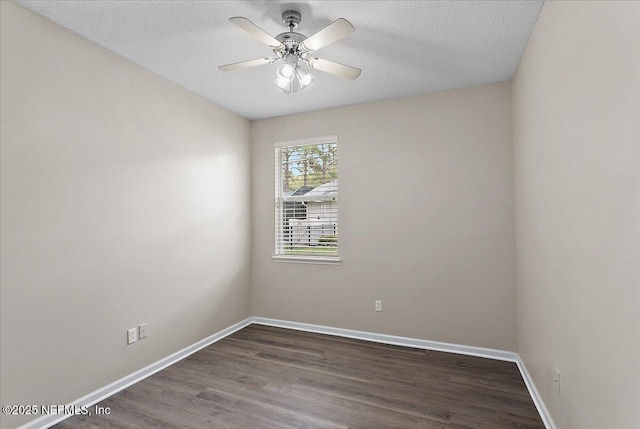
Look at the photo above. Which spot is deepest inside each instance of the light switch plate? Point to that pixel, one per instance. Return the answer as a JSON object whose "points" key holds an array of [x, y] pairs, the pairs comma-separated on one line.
{"points": [[142, 331]]}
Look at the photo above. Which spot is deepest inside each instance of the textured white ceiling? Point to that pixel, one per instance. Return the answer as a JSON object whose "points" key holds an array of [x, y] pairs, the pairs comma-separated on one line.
{"points": [[403, 47]]}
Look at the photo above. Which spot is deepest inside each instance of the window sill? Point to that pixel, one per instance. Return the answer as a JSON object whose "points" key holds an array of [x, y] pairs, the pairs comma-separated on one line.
{"points": [[318, 260]]}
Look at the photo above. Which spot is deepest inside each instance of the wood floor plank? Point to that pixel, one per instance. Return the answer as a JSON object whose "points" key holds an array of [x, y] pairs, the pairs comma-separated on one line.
{"points": [[264, 377]]}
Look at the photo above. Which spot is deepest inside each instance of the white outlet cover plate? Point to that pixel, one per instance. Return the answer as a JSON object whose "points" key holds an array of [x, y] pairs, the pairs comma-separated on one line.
{"points": [[131, 336]]}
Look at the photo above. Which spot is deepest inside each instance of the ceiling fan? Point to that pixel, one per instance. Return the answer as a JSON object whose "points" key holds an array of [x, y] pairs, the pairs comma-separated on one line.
{"points": [[295, 49]]}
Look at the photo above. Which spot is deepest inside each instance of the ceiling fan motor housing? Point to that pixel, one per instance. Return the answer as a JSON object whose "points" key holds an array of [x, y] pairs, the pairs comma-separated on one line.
{"points": [[291, 40]]}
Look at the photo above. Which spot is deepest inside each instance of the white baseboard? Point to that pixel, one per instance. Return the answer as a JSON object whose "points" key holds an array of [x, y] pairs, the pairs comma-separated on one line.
{"points": [[392, 339], [423, 344], [93, 398], [535, 396]]}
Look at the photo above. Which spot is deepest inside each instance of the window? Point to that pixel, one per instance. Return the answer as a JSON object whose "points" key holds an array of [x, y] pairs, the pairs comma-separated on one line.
{"points": [[306, 200]]}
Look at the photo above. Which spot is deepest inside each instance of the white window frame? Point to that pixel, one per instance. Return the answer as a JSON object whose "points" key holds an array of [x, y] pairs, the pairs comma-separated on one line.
{"points": [[321, 260]]}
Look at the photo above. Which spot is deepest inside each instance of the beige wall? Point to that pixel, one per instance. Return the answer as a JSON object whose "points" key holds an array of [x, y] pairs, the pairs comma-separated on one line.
{"points": [[125, 199], [576, 136], [426, 220]]}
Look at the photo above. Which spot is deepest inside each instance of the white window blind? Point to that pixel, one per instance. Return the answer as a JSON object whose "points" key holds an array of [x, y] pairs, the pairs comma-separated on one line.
{"points": [[306, 198]]}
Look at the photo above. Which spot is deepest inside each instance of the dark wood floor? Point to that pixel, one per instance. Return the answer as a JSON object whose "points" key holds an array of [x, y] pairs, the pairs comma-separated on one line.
{"points": [[263, 377]]}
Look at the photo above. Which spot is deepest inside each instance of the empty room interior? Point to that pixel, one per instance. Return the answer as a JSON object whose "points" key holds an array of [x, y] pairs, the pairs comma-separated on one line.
{"points": [[320, 214]]}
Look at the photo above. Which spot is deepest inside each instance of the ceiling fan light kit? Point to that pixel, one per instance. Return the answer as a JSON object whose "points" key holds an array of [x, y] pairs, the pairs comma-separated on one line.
{"points": [[294, 50]]}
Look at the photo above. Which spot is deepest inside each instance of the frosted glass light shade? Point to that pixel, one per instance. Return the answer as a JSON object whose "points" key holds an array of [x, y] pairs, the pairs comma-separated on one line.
{"points": [[292, 78]]}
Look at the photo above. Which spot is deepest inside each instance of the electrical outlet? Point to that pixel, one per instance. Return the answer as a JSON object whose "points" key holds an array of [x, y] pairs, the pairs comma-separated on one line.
{"points": [[556, 379], [131, 336], [378, 305], [142, 331]]}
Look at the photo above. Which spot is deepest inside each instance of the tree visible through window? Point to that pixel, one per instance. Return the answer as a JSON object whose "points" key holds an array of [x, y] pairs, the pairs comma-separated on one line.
{"points": [[307, 197]]}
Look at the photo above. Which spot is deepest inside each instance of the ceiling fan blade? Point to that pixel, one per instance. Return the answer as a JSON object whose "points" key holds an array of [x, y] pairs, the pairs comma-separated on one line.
{"points": [[332, 67], [255, 31], [246, 64], [331, 33]]}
